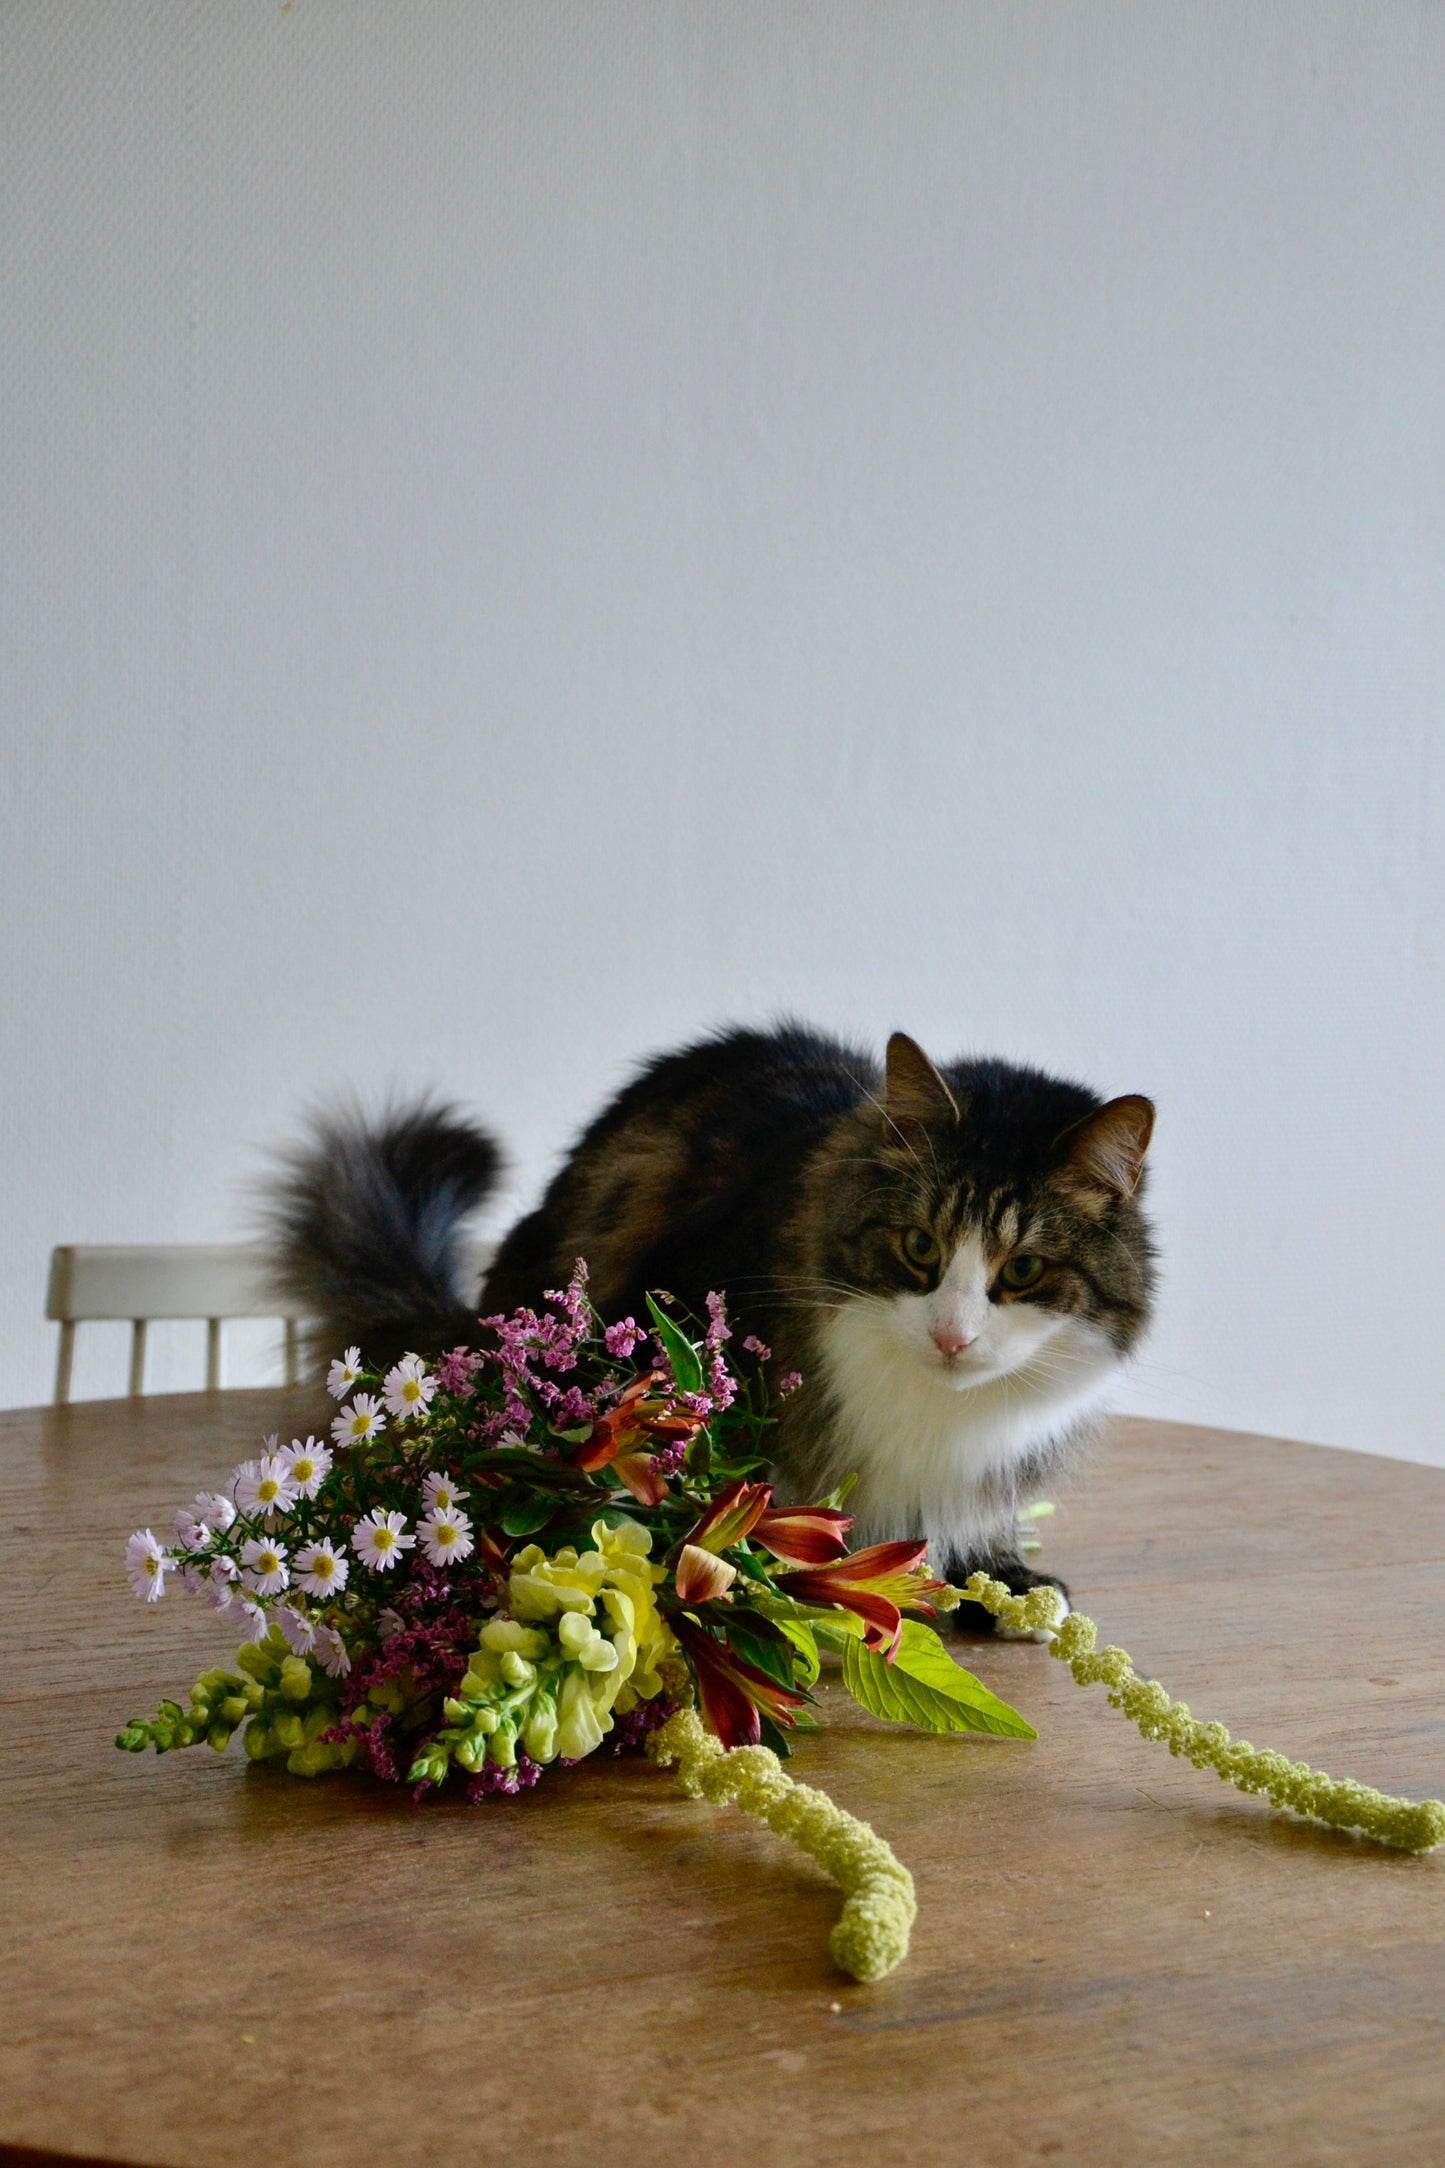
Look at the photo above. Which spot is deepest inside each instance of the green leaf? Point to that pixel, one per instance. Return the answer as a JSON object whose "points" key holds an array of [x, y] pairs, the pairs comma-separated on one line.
{"points": [[533, 1469], [760, 1642], [924, 1686], [686, 1362], [806, 1647], [774, 1736], [521, 1513]]}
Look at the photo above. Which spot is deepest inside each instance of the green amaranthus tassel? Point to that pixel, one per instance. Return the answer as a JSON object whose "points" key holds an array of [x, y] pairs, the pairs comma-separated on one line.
{"points": [[1408, 1825], [871, 1936]]}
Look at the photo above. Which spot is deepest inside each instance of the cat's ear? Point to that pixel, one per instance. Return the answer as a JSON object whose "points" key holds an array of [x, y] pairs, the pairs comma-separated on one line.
{"points": [[1106, 1149], [915, 1092]]}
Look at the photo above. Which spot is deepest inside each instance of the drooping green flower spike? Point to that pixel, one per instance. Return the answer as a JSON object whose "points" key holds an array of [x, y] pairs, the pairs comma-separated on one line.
{"points": [[871, 1935], [1407, 1825]]}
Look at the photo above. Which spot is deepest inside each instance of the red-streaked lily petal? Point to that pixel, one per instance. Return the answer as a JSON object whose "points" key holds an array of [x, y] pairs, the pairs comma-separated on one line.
{"points": [[880, 1561], [732, 1690], [873, 1583], [733, 1514], [639, 1472], [644, 1413], [882, 1619], [726, 1709], [700, 1577], [804, 1535], [491, 1555], [597, 1450]]}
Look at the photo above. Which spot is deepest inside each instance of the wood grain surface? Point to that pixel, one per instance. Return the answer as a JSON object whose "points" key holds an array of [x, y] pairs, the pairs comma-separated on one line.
{"points": [[1116, 1959]]}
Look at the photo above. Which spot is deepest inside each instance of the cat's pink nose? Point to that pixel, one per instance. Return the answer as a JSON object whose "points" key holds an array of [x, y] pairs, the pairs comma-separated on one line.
{"points": [[950, 1342]]}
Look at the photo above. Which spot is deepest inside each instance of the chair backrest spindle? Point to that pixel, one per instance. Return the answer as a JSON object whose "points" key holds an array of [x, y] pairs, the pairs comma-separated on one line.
{"points": [[139, 1282]]}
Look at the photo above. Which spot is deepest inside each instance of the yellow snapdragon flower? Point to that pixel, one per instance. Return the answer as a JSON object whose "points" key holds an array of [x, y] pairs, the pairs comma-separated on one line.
{"points": [[584, 1640]]}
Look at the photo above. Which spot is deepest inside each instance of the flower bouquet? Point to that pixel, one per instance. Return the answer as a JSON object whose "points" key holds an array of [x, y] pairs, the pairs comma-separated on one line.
{"points": [[566, 1543]]}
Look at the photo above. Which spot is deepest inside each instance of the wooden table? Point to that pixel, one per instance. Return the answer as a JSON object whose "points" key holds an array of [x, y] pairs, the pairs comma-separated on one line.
{"points": [[1116, 1959]]}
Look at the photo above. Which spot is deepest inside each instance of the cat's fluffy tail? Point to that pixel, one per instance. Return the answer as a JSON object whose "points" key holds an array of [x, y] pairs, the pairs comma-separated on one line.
{"points": [[364, 1228]]}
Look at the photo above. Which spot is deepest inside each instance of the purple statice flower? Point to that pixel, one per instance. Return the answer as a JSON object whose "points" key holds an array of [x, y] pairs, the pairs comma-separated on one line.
{"points": [[454, 1372], [620, 1339], [790, 1382], [661, 1365], [671, 1458], [720, 1384], [376, 1752], [718, 1328], [758, 1347], [572, 1409], [628, 1732], [491, 1779]]}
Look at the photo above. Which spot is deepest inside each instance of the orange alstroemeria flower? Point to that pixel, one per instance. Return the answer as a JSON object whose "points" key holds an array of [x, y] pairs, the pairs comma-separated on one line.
{"points": [[643, 1416], [701, 1576], [639, 1472], [646, 1416], [733, 1514], [735, 1695], [804, 1535], [873, 1584]]}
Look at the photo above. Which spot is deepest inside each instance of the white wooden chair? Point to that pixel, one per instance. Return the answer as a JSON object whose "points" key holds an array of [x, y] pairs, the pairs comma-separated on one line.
{"points": [[138, 1282]]}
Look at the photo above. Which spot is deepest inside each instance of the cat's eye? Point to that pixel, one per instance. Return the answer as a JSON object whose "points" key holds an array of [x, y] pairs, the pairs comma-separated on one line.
{"points": [[919, 1247], [1022, 1272]]}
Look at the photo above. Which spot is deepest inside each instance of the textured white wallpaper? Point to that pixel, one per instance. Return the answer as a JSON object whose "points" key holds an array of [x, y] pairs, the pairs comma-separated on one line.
{"points": [[531, 529]]}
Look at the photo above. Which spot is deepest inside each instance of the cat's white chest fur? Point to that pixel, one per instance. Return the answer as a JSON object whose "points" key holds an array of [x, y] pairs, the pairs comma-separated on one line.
{"points": [[937, 1445]]}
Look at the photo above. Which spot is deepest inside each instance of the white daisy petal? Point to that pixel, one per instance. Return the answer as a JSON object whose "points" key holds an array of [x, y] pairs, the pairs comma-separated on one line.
{"points": [[441, 1493], [264, 1486], [362, 1420], [266, 1570], [247, 1616], [321, 1570], [407, 1390], [330, 1652], [298, 1629], [380, 1539], [446, 1538], [344, 1373], [147, 1565], [307, 1466]]}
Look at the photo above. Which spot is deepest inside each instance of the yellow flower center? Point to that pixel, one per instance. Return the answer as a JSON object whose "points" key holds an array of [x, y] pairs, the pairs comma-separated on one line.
{"points": [[383, 1539]]}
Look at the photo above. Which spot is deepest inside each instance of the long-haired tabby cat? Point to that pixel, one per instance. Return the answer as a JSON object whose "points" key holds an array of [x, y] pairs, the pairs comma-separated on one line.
{"points": [[953, 1257]]}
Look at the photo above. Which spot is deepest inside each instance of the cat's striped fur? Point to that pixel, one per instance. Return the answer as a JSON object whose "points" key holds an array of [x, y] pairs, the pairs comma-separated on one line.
{"points": [[861, 1220]]}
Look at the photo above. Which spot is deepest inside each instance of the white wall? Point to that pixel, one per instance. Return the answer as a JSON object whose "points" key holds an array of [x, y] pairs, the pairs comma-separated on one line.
{"points": [[532, 529]]}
